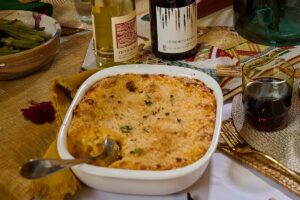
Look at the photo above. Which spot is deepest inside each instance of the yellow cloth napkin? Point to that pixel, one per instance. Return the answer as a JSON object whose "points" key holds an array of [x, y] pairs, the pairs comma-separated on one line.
{"points": [[56, 186], [64, 89], [64, 182]]}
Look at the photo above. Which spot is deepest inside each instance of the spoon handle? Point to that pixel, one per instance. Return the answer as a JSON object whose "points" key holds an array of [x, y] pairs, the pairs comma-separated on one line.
{"points": [[38, 168]]}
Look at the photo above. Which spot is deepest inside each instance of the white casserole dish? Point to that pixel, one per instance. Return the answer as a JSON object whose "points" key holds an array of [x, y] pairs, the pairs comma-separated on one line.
{"points": [[142, 181]]}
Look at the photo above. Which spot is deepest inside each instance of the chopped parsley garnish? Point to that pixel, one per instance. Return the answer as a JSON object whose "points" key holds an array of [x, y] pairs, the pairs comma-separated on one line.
{"points": [[148, 103], [138, 151], [147, 96], [125, 129]]}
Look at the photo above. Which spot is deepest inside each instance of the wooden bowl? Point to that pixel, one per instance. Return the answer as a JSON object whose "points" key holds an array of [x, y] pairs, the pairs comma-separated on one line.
{"points": [[28, 61]]}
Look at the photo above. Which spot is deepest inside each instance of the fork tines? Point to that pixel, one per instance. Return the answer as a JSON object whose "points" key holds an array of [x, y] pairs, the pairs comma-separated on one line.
{"points": [[230, 135]]}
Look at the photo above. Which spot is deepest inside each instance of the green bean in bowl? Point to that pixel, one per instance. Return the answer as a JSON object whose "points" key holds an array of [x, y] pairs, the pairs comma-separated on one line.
{"points": [[29, 41], [15, 36]]}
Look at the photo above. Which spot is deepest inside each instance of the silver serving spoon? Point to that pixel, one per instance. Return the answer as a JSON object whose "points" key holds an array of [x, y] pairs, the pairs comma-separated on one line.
{"points": [[38, 168]]}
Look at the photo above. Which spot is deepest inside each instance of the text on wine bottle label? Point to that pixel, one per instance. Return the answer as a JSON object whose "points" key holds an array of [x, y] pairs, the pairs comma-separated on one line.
{"points": [[176, 28], [124, 33]]}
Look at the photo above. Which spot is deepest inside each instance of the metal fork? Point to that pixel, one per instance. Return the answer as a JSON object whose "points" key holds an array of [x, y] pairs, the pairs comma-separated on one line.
{"points": [[238, 145]]}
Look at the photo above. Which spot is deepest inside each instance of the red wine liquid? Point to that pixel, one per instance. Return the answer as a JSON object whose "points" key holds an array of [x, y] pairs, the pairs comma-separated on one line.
{"points": [[266, 102]]}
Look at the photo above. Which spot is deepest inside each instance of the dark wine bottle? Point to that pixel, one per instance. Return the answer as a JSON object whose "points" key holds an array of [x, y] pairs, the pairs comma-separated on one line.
{"points": [[173, 28]]}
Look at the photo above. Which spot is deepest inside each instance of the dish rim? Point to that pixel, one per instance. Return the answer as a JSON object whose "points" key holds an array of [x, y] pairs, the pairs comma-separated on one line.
{"points": [[54, 37], [142, 174]]}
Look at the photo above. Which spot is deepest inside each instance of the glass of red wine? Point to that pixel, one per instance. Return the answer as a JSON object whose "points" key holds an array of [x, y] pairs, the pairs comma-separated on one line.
{"points": [[267, 92]]}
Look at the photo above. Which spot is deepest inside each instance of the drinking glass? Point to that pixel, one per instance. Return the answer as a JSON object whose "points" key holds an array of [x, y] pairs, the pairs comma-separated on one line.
{"points": [[267, 92], [84, 8]]}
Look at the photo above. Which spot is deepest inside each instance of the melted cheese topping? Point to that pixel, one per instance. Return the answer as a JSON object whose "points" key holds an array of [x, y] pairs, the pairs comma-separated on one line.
{"points": [[161, 122]]}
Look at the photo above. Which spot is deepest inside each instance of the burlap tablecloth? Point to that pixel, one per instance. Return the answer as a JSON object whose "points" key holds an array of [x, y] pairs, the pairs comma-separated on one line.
{"points": [[22, 140]]}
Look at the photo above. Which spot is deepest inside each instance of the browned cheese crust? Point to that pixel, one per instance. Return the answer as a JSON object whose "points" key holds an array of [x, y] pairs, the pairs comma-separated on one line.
{"points": [[161, 122]]}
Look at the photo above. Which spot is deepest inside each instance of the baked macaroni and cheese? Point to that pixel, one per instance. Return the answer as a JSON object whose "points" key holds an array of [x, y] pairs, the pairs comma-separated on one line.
{"points": [[160, 122]]}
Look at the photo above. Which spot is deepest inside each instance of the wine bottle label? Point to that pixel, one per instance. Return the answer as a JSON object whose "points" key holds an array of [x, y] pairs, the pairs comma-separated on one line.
{"points": [[124, 33], [176, 28]]}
